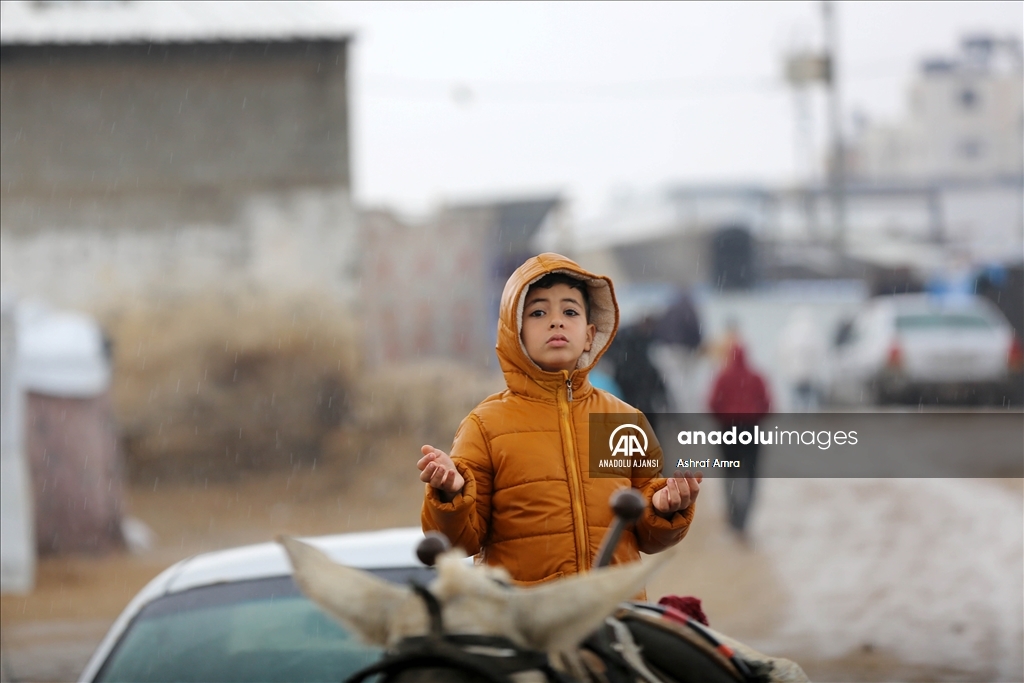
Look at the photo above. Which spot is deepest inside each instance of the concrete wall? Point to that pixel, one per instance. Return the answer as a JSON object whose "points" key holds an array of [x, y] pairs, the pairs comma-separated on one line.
{"points": [[431, 289], [425, 287], [140, 170], [300, 240]]}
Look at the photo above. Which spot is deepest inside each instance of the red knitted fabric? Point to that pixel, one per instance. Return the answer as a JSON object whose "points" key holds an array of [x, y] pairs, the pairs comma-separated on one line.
{"points": [[687, 605]]}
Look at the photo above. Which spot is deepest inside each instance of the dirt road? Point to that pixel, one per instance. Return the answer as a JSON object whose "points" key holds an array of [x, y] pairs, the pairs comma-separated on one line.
{"points": [[49, 634]]}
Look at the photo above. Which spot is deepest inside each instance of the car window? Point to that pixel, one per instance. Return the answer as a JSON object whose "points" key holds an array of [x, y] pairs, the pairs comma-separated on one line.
{"points": [[942, 321], [259, 630], [845, 333]]}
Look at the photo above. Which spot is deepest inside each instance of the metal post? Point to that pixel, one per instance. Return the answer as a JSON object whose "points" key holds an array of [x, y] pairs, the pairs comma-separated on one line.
{"points": [[837, 169]]}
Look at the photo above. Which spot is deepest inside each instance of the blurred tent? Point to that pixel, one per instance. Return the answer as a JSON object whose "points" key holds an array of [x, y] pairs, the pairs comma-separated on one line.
{"points": [[643, 299], [733, 258], [70, 440], [736, 236]]}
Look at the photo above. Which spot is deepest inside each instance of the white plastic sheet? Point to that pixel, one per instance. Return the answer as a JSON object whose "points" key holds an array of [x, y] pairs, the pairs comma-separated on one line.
{"points": [[17, 521], [61, 354]]}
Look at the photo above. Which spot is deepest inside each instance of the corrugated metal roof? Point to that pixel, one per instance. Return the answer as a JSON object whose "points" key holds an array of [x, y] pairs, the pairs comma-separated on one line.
{"points": [[28, 23]]}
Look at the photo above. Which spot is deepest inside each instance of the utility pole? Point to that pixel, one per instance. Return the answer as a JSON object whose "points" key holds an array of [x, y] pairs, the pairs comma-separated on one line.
{"points": [[837, 160], [803, 69]]}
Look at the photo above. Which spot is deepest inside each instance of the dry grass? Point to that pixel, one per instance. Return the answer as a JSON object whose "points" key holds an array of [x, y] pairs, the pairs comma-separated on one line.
{"points": [[426, 400], [207, 389], [210, 387]]}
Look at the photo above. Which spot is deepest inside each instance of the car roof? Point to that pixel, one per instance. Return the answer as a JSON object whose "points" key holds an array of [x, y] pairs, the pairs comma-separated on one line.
{"points": [[385, 549], [922, 303]]}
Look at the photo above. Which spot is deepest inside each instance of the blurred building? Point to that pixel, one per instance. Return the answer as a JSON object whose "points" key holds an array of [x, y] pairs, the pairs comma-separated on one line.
{"points": [[941, 191], [965, 119], [431, 289], [156, 149]]}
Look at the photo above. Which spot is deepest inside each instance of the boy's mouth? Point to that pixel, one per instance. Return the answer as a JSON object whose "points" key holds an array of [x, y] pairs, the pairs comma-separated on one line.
{"points": [[558, 340]]}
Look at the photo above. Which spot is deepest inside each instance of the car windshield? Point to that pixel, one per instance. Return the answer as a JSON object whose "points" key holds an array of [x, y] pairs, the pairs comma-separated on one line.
{"points": [[258, 630], [942, 321]]}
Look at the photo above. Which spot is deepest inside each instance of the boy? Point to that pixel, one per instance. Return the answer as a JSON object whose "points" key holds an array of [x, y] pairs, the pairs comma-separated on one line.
{"points": [[515, 488]]}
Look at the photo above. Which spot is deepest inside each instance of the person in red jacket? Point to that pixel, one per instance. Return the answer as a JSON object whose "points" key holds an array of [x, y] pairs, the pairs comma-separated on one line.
{"points": [[739, 398]]}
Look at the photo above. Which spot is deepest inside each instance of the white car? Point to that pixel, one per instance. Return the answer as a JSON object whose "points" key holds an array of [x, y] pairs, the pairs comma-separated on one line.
{"points": [[919, 347], [236, 615]]}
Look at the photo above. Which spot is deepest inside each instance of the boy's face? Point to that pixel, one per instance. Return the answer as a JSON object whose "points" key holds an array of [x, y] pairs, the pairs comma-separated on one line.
{"points": [[555, 330]]}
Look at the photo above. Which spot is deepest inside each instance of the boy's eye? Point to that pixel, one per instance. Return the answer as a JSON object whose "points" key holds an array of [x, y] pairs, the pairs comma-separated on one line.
{"points": [[571, 312], [536, 314]]}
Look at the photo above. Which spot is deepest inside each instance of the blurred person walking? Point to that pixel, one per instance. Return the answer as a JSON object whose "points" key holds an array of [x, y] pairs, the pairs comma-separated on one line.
{"points": [[640, 382], [675, 352], [801, 355], [739, 398]]}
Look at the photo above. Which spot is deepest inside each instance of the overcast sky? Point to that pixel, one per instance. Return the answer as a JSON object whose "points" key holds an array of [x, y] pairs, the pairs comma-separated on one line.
{"points": [[463, 101]]}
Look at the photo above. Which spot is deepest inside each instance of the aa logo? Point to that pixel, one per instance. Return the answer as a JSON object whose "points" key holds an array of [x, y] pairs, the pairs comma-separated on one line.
{"points": [[623, 442]]}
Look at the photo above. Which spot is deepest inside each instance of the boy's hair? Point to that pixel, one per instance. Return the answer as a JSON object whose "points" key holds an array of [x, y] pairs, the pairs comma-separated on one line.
{"points": [[552, 279]]}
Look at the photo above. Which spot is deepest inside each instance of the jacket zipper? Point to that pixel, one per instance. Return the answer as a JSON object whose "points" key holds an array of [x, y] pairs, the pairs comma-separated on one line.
{"points": [[576, 486]]}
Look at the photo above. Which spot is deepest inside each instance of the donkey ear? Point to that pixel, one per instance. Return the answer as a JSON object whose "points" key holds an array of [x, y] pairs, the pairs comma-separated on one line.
{"points": [[359, 600], [555, 617]]}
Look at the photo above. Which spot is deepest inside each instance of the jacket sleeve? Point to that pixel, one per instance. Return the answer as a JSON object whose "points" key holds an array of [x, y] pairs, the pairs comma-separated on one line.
{"points": [[655, 533], [465, 520]]}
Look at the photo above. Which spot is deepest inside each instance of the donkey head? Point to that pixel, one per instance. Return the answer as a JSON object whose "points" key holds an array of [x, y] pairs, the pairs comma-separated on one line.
{"points": [[476, 600]]}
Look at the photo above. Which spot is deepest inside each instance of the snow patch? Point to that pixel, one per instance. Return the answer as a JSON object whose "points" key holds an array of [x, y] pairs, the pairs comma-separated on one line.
{"points": [[929, 569]]}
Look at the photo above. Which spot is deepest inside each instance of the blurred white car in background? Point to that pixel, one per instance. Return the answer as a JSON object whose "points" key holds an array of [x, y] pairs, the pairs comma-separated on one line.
{"points": [[914, 348], [236, 615]]}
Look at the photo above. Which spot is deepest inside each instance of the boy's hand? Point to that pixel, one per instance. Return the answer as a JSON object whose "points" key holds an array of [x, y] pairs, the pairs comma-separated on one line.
{"points": [[438, 470], [680, 490]]}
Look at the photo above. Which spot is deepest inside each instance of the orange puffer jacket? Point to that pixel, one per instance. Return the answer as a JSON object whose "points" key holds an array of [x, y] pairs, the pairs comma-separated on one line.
{"points": [[529, 504]]}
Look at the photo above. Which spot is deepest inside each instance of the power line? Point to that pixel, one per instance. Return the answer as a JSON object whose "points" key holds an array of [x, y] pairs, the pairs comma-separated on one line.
{"points": [[527, 92], [467, 90]]}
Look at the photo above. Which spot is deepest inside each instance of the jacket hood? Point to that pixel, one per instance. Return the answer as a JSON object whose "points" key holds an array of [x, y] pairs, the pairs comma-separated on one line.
{"points": [[604, 315], [737, 357]]}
